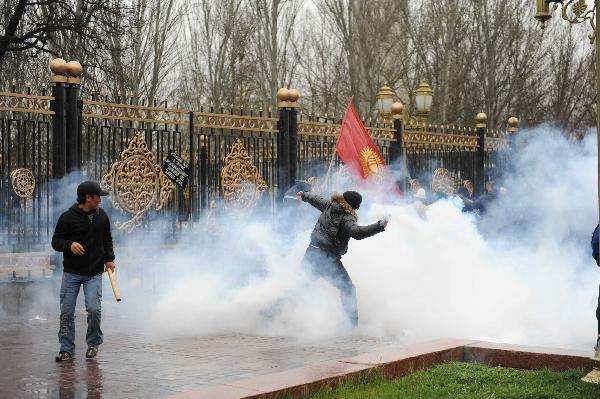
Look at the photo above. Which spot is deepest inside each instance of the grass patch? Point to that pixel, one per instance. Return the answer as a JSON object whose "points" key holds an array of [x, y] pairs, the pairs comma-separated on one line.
{"points": [[462, 380]]}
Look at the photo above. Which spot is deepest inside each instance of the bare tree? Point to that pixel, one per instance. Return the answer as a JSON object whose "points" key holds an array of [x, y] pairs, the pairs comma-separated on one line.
{"points": [[219, 68], [372, 39], [274, 51], [571, 93], [30, 24], [143, 54], [324, 67]]}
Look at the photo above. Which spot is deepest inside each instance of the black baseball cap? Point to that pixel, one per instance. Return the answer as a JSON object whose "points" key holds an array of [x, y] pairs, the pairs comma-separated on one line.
{"points": [[90, 188]]}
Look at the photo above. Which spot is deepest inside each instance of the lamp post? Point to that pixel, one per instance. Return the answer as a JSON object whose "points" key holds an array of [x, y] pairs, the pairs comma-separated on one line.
{"points": [[423, 97], [385, 98], [576, 12]]}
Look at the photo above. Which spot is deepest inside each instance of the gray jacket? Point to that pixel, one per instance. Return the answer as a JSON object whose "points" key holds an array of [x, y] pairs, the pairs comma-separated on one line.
{"points": [[337, 224]]}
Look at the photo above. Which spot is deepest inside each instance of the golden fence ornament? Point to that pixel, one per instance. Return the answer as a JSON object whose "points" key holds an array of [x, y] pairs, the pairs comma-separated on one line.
{"points": [[241, 182], [442, 182], [23, 182], [137, 183]]}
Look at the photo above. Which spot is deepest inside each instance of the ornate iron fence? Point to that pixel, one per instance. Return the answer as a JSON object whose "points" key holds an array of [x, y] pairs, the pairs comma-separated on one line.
{"points": [[25, 168], [52, 135]]}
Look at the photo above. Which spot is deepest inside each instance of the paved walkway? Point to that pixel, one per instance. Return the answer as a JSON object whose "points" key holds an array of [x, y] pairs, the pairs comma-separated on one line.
{"points": [[132, 364]]}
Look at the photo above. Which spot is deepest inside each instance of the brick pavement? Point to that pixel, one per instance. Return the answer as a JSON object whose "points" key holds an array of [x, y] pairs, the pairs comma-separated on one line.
{"points": [[134, 364]]}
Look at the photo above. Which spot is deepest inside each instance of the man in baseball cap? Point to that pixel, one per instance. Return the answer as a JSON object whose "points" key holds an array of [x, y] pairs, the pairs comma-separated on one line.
{"points": [[89, 188], [83, 235]]}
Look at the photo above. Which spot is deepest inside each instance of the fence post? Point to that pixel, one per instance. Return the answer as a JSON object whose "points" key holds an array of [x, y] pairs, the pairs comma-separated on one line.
{"points": [[287, 140], [203, 177], [191, 181], [73, 117], [59, 128], [397, 146], [480, 126], [513, 123], [59, 140]]}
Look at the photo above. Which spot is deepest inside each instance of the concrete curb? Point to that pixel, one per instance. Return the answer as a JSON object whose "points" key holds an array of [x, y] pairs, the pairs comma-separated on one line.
{"points": [[393, 362]]}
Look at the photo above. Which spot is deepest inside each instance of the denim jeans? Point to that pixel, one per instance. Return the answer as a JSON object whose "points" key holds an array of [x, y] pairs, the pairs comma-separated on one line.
{"points": [[69, 289], [329, 267]]}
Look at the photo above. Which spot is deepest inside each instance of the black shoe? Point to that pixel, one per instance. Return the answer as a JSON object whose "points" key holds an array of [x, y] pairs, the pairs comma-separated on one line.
{"points": [[91, 352], [64, 357]]}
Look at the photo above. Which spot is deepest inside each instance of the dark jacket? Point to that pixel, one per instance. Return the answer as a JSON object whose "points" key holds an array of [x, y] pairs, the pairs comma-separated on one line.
{"points": [[337, 224], [93, 234], [594, 244]]}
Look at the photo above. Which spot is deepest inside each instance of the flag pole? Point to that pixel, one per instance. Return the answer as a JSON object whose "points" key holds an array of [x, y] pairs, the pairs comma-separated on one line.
{"points": [[332, 161]]}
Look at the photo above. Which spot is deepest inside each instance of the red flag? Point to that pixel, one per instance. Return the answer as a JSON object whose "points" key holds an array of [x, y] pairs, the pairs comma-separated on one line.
{"points": [[358, 152]]}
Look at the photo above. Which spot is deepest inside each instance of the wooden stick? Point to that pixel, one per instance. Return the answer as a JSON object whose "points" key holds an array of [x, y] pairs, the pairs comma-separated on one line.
{"points": [[113, 284]]}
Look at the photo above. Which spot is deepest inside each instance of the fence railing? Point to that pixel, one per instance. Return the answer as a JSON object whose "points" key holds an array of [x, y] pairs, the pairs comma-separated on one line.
{"points": [[51, 135]]}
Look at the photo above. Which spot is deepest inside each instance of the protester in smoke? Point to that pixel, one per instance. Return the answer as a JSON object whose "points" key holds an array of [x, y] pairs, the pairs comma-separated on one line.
{"points": [[463, 193], [481, 203], [329, 241], [468, 203], [487, 198], [414, 187], [83, 235], [420, 200], [595, 253], [468, 185]]}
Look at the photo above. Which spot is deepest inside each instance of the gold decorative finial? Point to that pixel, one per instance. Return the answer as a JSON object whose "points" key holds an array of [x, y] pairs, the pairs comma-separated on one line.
{"points": [[283, 94], [481, 119], [513, 122], [74, 69], [58, 66], [294, 95], [397, 110]]}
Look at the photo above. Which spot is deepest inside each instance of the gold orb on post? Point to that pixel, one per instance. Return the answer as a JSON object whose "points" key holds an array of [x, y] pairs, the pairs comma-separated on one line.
{"points": [[283, 94], [58, 66], [397, 110], [513, 122], [74, 69], [481, 119], [294, 95]]}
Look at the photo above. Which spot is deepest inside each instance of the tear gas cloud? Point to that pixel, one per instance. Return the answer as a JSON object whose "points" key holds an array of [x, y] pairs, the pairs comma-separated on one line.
{"points": [[521, 273]]}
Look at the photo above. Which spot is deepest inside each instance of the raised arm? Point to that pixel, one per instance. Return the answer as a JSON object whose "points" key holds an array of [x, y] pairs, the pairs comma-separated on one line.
{"points": [[359, 232], [315, 200]]}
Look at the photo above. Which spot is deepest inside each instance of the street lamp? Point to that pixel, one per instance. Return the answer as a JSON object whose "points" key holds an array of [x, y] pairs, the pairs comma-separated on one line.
{"points": [[423, 97], [385, 98], [575, 12]]}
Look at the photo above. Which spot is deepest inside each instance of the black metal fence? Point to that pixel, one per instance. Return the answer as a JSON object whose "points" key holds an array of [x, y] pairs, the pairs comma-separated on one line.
{"points": [[52, 135], [25, 143]]}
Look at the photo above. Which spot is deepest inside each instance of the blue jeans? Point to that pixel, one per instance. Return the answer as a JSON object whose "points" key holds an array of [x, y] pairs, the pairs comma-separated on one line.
{"points": [[69, 289], [329, 267]]}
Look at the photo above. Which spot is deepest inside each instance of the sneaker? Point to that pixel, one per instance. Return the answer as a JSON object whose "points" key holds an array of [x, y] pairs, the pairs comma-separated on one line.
{"points": [[91, 352], [63, 357]]}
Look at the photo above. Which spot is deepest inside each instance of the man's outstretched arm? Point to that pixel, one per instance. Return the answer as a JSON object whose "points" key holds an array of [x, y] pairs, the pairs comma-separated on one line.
{"points": [[359, 232], [315, 200]]}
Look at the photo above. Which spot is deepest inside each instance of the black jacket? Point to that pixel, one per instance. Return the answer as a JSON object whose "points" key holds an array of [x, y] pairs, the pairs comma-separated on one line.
{"points": [[337, 224], [594, 244], [93, 234]]}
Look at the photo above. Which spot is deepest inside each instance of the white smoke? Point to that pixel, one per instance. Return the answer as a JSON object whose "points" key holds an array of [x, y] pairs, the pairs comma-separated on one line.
{"points": [[522, 273]]}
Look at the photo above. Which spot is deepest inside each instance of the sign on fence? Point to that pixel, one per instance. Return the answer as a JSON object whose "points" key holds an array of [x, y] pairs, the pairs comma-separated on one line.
{"points": [[177, 169]]}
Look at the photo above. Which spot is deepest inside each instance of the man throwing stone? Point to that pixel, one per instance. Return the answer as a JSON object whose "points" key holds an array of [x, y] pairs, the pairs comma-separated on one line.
{"points": [[329, 241], [82, 234]]}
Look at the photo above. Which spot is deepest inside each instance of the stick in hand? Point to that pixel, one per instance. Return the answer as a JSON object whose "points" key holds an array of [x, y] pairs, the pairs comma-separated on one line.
{"points": [[113, 284]]}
